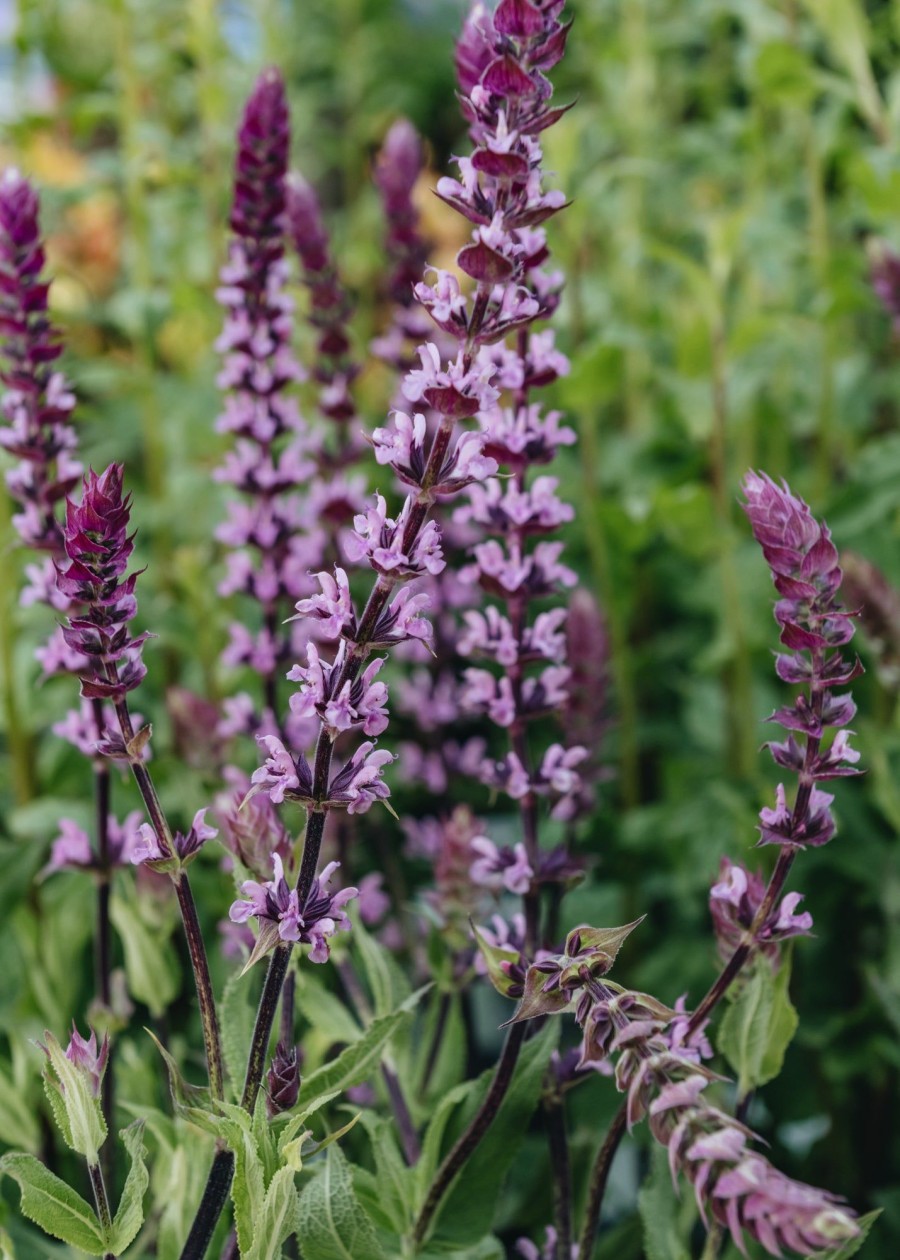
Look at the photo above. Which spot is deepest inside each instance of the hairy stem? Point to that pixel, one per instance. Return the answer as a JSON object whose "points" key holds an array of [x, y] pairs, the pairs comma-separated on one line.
{"points": [[100, 1199], [193, 933], [215, 1195], [597, 1184]]}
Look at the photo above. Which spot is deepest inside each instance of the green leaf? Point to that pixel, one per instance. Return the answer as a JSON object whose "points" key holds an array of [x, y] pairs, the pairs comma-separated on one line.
{"points": [[356, 1062], [467, 1212], [852, 1246], [661, 1214], [130, 1215], [248, 1188], [759, 1025], [387, 983], [782, 1023], [53, 1205], [331, 1223], [150, 962], [328, 1016], [434, 1134], [395, 1181], [237, 1015], [277, 1219], [18, 1122]]}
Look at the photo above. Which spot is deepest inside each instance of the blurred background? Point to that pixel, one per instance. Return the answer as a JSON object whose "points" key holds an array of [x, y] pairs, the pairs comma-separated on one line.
{"points": [[730, 163]]}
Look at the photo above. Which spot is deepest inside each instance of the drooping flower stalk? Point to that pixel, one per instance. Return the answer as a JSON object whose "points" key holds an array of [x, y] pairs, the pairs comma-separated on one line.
{"points": [[37, 407], [814, 627], [659, 1068], [99, 547]]}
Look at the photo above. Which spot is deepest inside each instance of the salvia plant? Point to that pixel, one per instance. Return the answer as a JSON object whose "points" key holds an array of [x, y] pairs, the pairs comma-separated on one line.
{"points": [[418, 555]]}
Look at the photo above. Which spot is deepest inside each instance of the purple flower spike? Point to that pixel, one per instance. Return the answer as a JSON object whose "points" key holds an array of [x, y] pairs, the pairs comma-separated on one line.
{"points": [[271, 549], [37, 403], [99, 547], [814, 627]]}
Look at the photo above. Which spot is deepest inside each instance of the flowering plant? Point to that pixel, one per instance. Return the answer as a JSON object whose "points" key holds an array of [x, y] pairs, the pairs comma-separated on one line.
{"points": [[406, 553]]}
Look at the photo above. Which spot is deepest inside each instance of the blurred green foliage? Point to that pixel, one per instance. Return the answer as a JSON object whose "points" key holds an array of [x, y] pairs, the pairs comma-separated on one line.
{"points": [[727, 162]]}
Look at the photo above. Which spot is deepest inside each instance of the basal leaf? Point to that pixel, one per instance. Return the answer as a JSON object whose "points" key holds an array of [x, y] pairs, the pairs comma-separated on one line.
{"points": [[53, 1205], [331, 1223]]}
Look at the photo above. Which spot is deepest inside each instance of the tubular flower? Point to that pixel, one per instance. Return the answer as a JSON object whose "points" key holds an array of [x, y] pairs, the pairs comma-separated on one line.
{"points": [[277, 907], [814, 627], [734, 902]]}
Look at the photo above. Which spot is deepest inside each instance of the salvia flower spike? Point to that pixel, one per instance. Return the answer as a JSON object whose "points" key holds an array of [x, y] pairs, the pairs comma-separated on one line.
{"points": [[814, 628]]}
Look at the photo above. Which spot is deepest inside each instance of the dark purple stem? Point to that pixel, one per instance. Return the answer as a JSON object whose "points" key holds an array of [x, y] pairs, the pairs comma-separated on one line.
{"points": [[465, 1145], [557, 1137]]}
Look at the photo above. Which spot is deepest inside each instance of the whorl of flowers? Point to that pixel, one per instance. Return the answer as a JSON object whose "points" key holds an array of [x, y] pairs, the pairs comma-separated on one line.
{"points": [[99, 547], [270, 550], [814, 627], [659, 1067], [281, 916], [734, 901]]}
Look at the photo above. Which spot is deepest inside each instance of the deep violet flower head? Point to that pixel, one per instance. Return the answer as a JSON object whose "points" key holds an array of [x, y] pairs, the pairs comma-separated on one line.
{"points": [[283, 1079], [37, 403], [734, 901], [356, 786], [99, 546], [276, 907], [814, 627]]}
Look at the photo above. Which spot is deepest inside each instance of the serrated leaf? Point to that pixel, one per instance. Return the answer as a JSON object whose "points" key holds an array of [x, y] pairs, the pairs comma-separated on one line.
{"points": [[660, 1213], [248, 1187], [277, 1219], [191, 1101], [130, 1215], [357, 1061], [53, 1205], [331, 1223], [237, 1015]]}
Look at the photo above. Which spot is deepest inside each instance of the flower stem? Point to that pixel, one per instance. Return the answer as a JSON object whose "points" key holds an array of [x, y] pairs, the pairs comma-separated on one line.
{"points": [[465, 1145], [597, 1183], [102, 941], [214, 1195], [100, 1199], [193, 933], [561, 1170]]}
